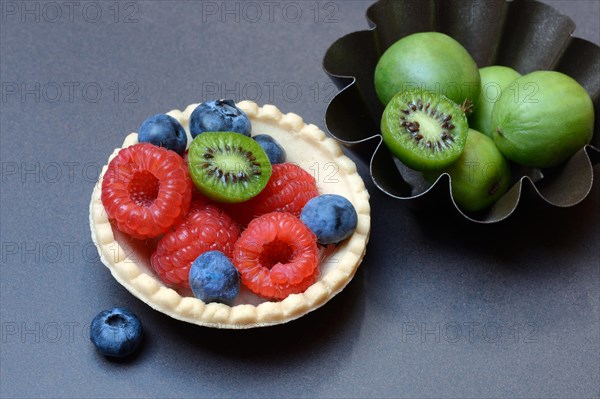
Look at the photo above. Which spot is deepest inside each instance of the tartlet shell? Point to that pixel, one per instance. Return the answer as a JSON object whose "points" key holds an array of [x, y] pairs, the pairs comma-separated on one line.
{"points": [[305, 144]]}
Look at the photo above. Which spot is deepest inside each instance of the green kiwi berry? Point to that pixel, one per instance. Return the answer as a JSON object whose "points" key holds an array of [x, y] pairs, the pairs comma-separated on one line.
{"points": [[431, 61], [494, 80], [542, 119], [480, 176], [228, 167], [424, 130]]}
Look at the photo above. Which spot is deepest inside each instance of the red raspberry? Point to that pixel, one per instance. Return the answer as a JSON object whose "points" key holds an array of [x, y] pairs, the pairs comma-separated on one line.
{"points": [[146, 190], [199, 202], [202, 230], [289, 189], [277, 255]]}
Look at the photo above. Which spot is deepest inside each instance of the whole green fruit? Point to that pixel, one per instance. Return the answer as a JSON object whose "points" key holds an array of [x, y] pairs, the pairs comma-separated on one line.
{"points": [[542, 119], [429, 61], [494, 80], [480, 176]]}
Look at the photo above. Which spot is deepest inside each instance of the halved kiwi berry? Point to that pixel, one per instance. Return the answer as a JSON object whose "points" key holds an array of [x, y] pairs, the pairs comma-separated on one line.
{"points": [[228, 167], [424, 130]]}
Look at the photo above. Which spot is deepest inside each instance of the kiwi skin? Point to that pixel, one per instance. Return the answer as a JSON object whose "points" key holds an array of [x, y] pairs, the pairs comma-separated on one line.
{"points": [[433, 112], [494, 80], [480, 176], [430, 61], [544, 120]]}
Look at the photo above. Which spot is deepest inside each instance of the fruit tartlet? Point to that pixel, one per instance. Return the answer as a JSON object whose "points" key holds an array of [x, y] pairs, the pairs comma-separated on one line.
{"points": [[261, 221]]}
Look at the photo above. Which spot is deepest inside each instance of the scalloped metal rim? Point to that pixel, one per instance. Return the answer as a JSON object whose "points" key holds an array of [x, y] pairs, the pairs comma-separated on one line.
{"points": [[590, 154]]}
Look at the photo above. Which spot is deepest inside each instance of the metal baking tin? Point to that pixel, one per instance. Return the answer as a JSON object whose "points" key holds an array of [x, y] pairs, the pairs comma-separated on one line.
{"points": [[525, 35]]}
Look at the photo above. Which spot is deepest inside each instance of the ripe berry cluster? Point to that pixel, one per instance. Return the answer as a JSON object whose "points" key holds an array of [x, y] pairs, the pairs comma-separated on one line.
{"points": [[211, 237]]}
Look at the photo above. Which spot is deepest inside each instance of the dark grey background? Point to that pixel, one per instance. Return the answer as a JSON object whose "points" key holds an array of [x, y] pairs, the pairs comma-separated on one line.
{"points": [[437, 309]]}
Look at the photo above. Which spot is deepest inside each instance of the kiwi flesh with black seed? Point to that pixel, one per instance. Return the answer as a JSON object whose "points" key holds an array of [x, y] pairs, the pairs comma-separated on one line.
{"points": [[228, 167], [424, 130]]}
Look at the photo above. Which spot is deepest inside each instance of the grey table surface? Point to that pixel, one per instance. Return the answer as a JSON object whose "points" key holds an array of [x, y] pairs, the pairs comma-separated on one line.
{"points": [[510, 310]]}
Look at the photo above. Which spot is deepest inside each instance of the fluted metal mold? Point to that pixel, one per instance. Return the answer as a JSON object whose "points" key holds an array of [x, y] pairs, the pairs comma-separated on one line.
{"points": [[523, 34]]}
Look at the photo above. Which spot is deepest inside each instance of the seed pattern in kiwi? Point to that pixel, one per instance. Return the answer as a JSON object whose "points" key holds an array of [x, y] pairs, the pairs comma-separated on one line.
{"points": [[228, 166], [226, 173], [414, 129]]}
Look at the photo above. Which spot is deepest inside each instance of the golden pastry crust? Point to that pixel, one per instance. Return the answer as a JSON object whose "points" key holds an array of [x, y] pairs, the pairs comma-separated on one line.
{"points": [[306, 145]]}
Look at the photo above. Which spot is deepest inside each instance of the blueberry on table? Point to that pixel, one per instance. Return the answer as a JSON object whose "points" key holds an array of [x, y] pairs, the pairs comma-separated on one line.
{"points": [[272, 148], [116, 332], [219, 116], [331, 217], [214, 278], [164, 131]]}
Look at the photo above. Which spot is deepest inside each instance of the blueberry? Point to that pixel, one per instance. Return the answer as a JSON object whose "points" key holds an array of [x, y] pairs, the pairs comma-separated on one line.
{"points": [[219, 116], [331, 217], [274, 150], [213, 278], [164, 131], [116, 332]]}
